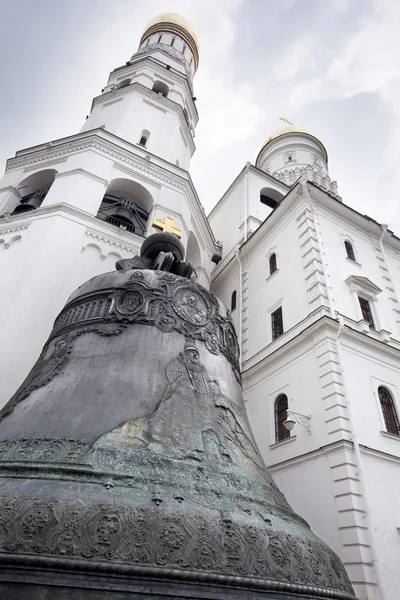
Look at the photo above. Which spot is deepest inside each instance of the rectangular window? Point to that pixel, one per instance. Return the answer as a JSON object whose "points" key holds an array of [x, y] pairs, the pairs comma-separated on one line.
{"points": [[366, 312], [277, 323]]}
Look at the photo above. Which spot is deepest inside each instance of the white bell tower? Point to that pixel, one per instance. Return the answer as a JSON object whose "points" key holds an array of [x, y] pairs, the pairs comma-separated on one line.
{"points": [[71, 207], [150, 100]]}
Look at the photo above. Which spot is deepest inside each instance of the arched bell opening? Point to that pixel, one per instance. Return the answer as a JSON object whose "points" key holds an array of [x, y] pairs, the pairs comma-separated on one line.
{"points": [[159, 87], [123, 83], [126, 205], [34, 189], [270, 197]]}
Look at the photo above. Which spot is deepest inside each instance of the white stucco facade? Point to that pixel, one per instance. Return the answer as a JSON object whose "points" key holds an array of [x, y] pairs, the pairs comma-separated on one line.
{"points": [[341, 469]]}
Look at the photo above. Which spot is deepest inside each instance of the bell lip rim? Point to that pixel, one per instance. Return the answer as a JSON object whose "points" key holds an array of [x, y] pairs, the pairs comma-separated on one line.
{"points": [[175, 575]]}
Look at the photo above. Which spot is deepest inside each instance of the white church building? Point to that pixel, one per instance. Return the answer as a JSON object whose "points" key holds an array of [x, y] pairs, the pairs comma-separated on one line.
{"points": [[313, 286]]}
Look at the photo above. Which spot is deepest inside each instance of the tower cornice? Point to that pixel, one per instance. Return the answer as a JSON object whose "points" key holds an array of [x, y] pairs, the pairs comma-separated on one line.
{"points": [[124, 153], [159, 68]]}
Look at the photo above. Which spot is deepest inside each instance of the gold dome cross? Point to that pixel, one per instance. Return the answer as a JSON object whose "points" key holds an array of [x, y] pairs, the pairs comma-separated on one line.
{"points": [[167, 225]]}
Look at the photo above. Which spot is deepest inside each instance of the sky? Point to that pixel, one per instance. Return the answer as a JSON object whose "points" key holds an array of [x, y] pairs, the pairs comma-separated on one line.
{"points": [[331, 66]]}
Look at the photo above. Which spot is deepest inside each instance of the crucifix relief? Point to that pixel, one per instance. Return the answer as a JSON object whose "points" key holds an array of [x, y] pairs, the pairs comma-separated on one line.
{"points": [[167, 225]]}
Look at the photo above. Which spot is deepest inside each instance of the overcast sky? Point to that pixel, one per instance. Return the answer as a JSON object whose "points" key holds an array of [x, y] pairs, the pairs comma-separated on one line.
{"points": [[331, 66]]}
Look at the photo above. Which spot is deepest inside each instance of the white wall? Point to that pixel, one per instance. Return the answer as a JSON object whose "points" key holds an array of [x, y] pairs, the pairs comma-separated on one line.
{"points": [[334, 231]]}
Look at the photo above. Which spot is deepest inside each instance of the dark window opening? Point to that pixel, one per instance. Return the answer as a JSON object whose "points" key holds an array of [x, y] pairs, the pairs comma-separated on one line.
{"points": [[389, 411], [366, 312], [159, 39], [281, 407], [268, 201], [277, 323], [272, 264], [143, 141], [350, 251], [233, 301], [160, 87], [124, 214], [172, 42]]}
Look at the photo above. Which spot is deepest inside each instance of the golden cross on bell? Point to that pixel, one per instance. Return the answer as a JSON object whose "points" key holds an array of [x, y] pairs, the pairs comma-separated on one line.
{"points": [[167, 225], [286, 121]]}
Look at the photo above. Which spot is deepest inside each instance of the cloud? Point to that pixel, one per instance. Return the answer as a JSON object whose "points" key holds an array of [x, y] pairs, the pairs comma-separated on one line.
{"points": [[332, 67]]}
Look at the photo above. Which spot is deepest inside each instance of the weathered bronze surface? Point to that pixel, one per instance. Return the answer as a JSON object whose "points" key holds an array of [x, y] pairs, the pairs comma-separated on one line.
{"points": [[128, 467]]}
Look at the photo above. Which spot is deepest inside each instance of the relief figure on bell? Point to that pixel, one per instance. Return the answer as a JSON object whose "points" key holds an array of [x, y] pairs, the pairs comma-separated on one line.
{"points": [[187, 407], [194, 419]]}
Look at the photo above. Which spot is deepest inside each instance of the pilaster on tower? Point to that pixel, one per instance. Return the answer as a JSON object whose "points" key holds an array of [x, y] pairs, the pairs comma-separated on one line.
{"points": [[149, 101]]}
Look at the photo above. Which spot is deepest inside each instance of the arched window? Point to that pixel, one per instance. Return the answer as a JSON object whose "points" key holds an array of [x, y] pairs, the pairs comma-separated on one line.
{"points": [[233, 301], [33, 190], [270, 197], [349, 251], [272, 264], [389, 411], [144, 137], [281, 406], [159, 87], [126, 205]]}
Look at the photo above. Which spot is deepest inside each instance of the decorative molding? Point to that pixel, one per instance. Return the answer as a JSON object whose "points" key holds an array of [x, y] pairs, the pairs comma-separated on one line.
{"points": [[113, 102], [181, 306], [363, 285], [131, 70], [114, 241], [171, 52], [81, 172], [196, 548], [97, 143], [48, 163], [16, 227], [137, 175]]}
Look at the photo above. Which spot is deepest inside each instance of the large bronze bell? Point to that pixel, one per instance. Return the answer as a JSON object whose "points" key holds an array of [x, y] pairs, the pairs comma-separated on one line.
{"points": [[34, 202], [124, 215], [128, 466]]}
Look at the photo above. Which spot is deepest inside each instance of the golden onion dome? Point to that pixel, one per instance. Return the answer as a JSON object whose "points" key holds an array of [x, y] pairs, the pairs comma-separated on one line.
{"points": [[285, 130], [174, 23]]}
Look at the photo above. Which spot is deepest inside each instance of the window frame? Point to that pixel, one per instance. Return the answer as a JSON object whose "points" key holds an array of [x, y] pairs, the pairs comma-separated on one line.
{"points": [[273, 256], [349, 246], [272, 313], [281, 433], [144, 135], [395, 416], [362, 287], [368, 308]]}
